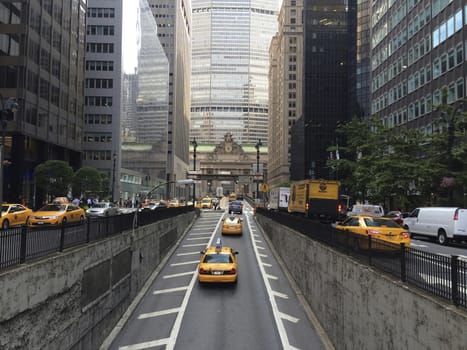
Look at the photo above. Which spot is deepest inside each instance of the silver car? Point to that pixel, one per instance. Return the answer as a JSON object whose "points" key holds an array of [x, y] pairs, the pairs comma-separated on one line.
{"points": [[103, 209]]}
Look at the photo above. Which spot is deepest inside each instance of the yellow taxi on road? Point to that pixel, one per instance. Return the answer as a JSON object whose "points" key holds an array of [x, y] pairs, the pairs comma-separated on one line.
{"points": [[56, 214], [174, 203], [232, 225], [218, 264], [14, 215], [380, 228], [206, 203]]}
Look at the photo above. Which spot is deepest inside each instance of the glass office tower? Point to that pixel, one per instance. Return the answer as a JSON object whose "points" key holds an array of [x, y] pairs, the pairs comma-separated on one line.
{"points": [[230, 64]]}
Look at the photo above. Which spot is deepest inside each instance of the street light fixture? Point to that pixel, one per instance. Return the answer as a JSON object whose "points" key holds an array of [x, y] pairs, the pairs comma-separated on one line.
{"points": [[195, 145], [257, 146], [10, 107], [113, 177]]}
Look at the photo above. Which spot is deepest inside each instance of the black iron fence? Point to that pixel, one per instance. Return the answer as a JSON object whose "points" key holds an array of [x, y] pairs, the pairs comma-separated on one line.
{"points": [[443, 276], [21, 244]]}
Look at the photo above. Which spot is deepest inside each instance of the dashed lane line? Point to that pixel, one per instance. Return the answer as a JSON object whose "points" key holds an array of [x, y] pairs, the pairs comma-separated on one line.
{"points": [[189, 253], [185, 263], [159, 313], [169, 290], [145, 345], [179, 274]]}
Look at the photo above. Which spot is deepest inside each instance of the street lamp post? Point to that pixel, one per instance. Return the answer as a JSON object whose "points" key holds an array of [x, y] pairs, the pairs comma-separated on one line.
{"points": [[113, 177], [195, 144], [257, 146], [11, 107]]}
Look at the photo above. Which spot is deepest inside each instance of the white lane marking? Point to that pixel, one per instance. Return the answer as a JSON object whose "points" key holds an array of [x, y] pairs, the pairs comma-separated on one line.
{"points": [[193, 245], [197, 238], [263, 255], [179, 318], [179, 274], [418, 245], [145, 345], [159, 313], [258, 241], [267, 265], [191, 253], [200, 234], [271, 277], [185, 263], [169, 290], [280, 295], [262, 248], [275, 310], [288, 317]]}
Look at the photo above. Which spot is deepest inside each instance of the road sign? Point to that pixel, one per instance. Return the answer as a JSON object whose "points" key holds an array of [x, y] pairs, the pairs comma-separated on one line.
{"points": [[264, 187]]}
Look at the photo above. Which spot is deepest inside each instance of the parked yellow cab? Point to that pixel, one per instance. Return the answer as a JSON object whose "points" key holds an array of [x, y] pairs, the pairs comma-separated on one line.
{"points": [[206, 203], [218, 264], [232, 225], [56, 214], [380, 228], [14, 215]]}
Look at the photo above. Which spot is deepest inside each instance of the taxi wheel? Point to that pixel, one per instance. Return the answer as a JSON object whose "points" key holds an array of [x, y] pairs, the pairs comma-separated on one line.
{"points": [[5, 224], [64, 221]]}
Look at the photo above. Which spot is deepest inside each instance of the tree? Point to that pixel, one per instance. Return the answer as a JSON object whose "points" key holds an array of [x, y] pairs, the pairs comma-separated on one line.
{"points": [[54, 177], [86, 179]]}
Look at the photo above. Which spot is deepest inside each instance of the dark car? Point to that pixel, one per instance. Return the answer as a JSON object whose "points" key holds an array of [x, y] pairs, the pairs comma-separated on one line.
{"points": [[236, 207], [397, 216]]}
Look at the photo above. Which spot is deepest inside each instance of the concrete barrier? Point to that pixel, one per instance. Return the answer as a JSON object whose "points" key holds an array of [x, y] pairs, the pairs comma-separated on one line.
{"points": [[362, 308], [72, 300]]}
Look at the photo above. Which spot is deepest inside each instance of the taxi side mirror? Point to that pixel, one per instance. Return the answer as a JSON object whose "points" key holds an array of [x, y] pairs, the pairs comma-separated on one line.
{"points": [[202, 252], [235, 253]]}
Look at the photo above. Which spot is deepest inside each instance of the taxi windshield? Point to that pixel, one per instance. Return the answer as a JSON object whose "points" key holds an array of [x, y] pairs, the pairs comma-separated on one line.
{"points": [[4, 208], [217, 258], [376, 222], [53, 207]]}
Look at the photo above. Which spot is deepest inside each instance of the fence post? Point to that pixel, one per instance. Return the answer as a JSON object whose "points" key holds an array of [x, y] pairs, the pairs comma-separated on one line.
{"points": [[454, 280], [24, 232], [403, 271], [88, 229], [62, 237]]}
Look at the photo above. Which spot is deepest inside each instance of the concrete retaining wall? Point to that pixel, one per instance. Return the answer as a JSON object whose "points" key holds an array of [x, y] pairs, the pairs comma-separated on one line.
{"points": [[72, 300], [361, 308]]}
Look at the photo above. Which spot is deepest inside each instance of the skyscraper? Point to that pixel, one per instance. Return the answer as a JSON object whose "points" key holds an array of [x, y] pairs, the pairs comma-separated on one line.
{"points": [[103, 85], [230, 69], [173, 19], [41, 68]]}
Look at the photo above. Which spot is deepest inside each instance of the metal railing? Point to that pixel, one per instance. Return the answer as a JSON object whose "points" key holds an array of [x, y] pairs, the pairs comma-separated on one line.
{"points": [[443, 276], [21, 244]]}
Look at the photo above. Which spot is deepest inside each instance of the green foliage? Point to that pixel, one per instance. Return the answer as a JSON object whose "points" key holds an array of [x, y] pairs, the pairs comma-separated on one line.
{"points": [[54, 177], [86, 180]]}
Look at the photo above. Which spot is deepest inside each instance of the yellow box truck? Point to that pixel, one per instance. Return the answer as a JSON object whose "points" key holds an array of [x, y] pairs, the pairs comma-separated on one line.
{"points": [[315, 199]]}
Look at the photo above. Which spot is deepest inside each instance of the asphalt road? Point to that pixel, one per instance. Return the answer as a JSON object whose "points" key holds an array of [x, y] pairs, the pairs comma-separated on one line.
{"points": [[261, 311]]}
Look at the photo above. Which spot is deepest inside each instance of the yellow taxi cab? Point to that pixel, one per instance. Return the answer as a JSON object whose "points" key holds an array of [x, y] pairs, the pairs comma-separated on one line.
{"points": [[218, 264], [198, 204], [14, 215], [174, 203], [380, 228], [232, 225], [206, 203], [56, 214]]}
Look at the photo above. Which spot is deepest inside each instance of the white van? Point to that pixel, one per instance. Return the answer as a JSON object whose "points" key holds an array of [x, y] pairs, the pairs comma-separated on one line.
{"points": [[443, 224], [366, 209]]}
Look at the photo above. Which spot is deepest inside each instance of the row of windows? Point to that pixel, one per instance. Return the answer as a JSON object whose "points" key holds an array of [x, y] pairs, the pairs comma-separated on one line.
{"points": [[99, 119], [99, 83], [97, 12], [419, 108], [131, 179], [105, 101], [455, 92], [98, 138], [100, 30], [448, 28], [417, 23], [447, 61], [419, 78], [97, 155], [100, 47], [100, 66]]}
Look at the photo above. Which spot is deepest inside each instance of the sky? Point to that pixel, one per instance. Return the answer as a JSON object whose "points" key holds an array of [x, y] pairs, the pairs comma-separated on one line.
{"points": [[129, 35]]}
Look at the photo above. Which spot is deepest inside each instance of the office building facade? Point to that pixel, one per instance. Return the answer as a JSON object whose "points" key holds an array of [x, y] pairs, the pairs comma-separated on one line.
{"points": [[329, 83], [42, 47], [229, 93], [418, 49], [103, 86], [173, 19], [285, 89]]}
